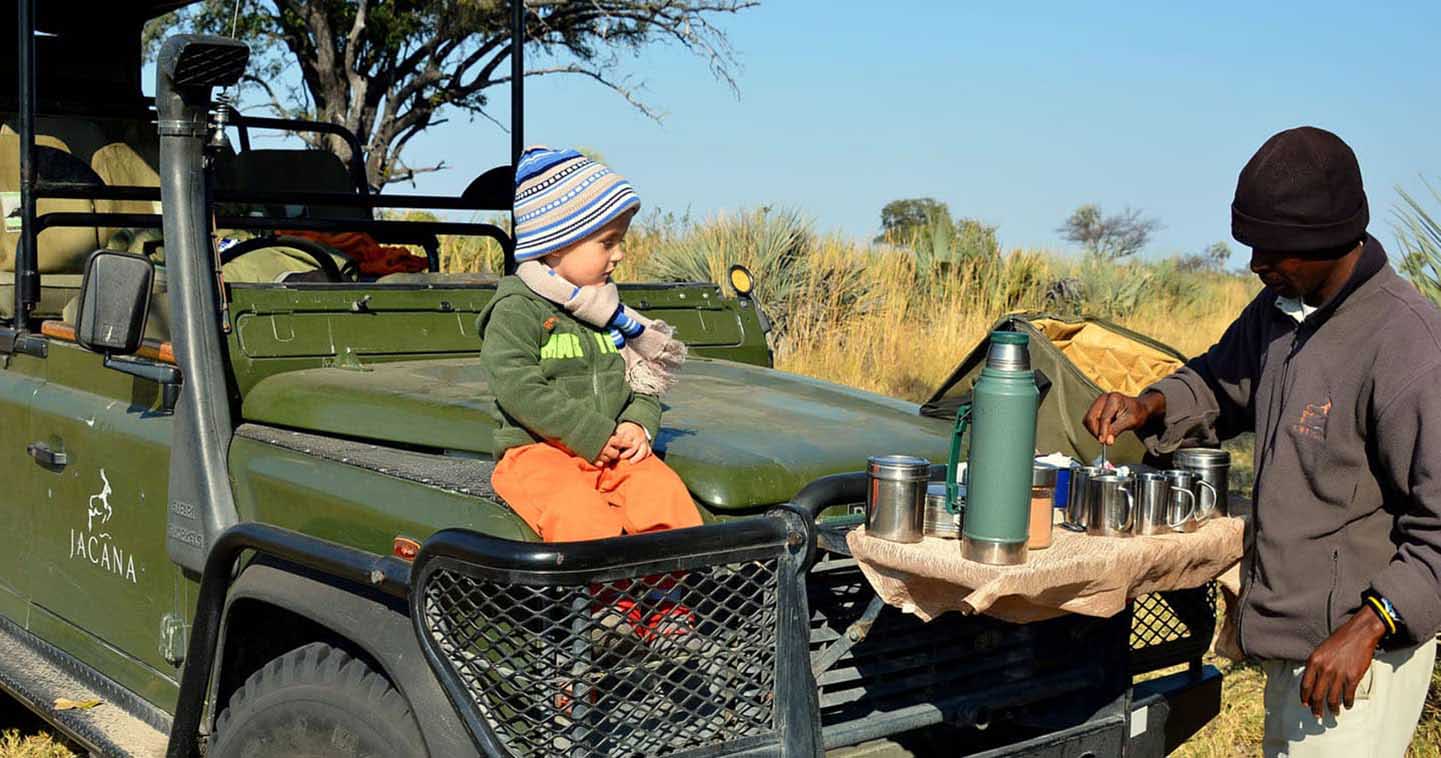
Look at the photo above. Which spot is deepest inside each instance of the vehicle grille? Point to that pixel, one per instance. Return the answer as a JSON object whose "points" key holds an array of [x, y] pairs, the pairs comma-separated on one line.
{"points": [[1169, 628], [649, 666]]}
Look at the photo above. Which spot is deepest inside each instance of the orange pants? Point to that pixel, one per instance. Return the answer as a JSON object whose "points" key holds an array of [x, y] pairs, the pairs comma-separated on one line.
{"points": [[566, 499]]}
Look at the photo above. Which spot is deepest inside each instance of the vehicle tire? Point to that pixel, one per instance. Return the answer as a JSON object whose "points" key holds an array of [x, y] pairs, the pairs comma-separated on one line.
{"points": [[315, 702]]}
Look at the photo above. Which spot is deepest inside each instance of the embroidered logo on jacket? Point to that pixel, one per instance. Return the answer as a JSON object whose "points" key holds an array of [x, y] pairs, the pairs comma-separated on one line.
{"points": [[1313, 420]]}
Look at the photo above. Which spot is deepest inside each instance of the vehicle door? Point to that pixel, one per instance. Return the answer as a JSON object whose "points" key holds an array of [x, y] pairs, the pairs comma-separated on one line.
{"points": [[21, 377], [110, 594]]}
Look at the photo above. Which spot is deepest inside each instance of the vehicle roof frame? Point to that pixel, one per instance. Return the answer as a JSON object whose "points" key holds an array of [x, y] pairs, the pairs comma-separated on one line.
{"points": [[27, 276]]}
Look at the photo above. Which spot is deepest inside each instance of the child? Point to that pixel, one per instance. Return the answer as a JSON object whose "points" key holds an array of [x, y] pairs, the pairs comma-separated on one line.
{"points": [[578, 376]]}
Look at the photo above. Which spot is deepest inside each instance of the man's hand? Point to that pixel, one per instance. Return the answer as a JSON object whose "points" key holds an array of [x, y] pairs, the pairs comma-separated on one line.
{"points": [[630, 437], [1113, 413], [1336, 667]]}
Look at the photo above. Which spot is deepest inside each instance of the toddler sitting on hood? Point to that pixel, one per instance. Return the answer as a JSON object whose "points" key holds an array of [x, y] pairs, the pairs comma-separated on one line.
{"points": [[577, 375]]}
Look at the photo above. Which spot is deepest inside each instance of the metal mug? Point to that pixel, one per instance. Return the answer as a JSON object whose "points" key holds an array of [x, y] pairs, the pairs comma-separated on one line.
{"points": [[1078, 497], [1157, 504], [942, 521], [1213, 467], [1111, 506], [1191, 482], [896, 497]]}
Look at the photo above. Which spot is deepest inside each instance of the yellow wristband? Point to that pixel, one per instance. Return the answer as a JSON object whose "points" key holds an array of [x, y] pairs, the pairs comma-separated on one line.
{"points": [[1381, 611]]}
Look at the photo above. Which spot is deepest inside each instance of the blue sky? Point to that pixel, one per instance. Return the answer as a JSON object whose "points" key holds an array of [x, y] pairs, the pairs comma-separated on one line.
{"points": [[1014, 113]]}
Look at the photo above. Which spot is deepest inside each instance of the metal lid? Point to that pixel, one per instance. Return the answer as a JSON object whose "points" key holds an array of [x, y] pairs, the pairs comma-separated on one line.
{"points": [[1209, 456], [906, 468], [1008, 351], [1044, 475]]}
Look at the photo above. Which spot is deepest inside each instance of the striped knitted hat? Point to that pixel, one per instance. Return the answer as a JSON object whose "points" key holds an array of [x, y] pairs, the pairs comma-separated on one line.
{"points": [[562, 197]]}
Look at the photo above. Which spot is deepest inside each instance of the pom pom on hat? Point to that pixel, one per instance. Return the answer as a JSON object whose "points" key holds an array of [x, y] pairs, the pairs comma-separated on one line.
{"points": [[562, 197]]}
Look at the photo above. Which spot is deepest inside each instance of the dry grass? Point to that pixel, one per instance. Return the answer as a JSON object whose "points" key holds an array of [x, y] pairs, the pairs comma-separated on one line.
{"points": [[42, 745], [869, 316]]}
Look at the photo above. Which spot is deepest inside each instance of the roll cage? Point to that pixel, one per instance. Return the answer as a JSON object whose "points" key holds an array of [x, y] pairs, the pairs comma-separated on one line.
{"points": [[76, 34]]}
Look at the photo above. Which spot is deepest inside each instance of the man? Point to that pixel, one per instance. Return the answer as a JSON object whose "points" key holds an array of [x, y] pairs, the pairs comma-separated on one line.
{"points": [[1336, 367]]}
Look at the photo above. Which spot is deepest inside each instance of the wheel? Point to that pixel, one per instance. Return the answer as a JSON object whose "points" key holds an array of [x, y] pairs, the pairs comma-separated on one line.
{"points": [[316, 702]]}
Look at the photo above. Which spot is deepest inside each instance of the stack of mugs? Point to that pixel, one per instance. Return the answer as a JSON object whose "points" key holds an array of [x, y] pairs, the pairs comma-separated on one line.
{"points": [[1114, 503]]}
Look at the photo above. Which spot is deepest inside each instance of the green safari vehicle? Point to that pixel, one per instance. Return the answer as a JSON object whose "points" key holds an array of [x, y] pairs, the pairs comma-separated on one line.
{"points": [[248, 503]]}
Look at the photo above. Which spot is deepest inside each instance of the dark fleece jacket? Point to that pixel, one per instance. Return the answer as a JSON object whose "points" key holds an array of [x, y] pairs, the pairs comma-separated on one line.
{"points": [[1346, 407]]}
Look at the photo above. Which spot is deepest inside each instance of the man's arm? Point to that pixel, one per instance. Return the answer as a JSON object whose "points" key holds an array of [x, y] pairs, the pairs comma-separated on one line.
{"points": [[1206, 400], [1408, 443], [1410, 456]]}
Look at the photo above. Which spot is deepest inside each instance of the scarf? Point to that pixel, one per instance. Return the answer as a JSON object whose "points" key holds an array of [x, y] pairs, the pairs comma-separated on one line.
{"points": [[652, 355]]}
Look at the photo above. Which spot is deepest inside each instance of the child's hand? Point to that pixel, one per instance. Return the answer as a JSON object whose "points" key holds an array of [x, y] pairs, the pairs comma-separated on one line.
{"points": [[608, 454], [632, 440]]}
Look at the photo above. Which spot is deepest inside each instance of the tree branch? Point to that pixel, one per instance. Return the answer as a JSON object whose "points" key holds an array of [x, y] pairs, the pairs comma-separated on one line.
{"points": [[617, 87]]}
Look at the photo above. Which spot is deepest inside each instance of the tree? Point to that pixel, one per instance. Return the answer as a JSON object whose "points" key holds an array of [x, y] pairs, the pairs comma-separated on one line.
{"points": [[1109, 237], [903, 220], [388, 69], [1213, 258]]}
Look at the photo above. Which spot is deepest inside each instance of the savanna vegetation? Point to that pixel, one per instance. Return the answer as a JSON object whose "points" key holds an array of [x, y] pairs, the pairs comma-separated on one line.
{"points": [[893, 315]]}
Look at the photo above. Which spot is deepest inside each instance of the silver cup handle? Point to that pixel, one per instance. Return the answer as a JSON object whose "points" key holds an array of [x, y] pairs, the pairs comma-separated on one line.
{"points": [[1215, 499], [1130, 511], [1190, 511]]}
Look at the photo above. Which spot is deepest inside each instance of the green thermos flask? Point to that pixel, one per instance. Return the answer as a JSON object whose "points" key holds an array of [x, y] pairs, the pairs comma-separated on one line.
{"points": [[1003, 451]]}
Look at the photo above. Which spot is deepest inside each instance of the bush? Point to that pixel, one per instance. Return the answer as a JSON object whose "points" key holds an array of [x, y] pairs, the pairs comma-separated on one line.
{"points": [[1420, 236]]}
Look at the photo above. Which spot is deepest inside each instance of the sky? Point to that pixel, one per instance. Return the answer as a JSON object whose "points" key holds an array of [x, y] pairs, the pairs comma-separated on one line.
{"points": [[1013, 113]]}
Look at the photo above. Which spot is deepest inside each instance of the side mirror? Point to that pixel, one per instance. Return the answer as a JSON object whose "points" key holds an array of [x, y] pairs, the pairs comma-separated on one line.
{"points": [[114, 302]]}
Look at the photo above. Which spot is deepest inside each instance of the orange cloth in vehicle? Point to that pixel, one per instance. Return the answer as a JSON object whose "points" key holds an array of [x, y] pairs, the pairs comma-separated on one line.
{"points": [[373, 258], [566, 499]]}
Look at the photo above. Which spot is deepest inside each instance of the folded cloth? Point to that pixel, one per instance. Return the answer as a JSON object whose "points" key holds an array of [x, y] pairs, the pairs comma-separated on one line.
{"points": [[1078, 573]]}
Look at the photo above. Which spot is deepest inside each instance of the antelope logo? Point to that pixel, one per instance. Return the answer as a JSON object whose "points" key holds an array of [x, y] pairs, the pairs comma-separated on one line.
{"points": [[1313, 420], [99, 504]]}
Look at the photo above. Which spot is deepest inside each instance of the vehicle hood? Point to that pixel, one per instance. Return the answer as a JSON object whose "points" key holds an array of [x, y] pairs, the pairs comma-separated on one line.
{"points": [[740, 436]]}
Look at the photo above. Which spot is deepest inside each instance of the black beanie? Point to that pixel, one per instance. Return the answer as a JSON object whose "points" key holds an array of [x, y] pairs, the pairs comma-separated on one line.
{"points": [[1301, 192]]}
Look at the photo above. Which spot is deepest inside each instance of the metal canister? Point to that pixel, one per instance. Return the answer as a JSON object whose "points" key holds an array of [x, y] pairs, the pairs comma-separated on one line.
{"points": [[1002, 452], [1213, 467], [941, 521], [896, 497]]}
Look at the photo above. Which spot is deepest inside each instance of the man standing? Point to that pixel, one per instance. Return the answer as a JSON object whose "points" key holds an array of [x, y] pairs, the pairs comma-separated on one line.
{"points": [[1336, 367]]}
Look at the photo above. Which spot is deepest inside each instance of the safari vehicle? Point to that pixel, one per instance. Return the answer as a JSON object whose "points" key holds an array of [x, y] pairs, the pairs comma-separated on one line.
{"points": [[248, 507]]}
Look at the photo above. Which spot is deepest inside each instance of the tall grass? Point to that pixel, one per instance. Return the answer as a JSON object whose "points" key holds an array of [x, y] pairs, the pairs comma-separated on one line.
{"points": [[890, 319], [1420, 236]]}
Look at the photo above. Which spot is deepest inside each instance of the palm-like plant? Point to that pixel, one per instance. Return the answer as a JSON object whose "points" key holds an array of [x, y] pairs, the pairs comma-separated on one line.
{"points": [[1420, 236]]}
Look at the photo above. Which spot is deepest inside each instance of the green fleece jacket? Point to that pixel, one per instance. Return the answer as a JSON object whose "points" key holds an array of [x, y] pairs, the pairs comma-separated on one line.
{"points": [[555, 379]]}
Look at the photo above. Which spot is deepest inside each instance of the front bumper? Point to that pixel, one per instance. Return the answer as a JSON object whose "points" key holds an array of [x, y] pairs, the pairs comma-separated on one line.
{"points": [[789, 652]]}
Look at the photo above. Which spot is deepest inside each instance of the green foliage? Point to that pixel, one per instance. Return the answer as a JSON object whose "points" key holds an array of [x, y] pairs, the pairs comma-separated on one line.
{"points": [[388, 69], [1110, 237], [966, 250], [902, 221], [939, 243], [1109, 290], [776, 245], [1213, 258], [1420, 236]]}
